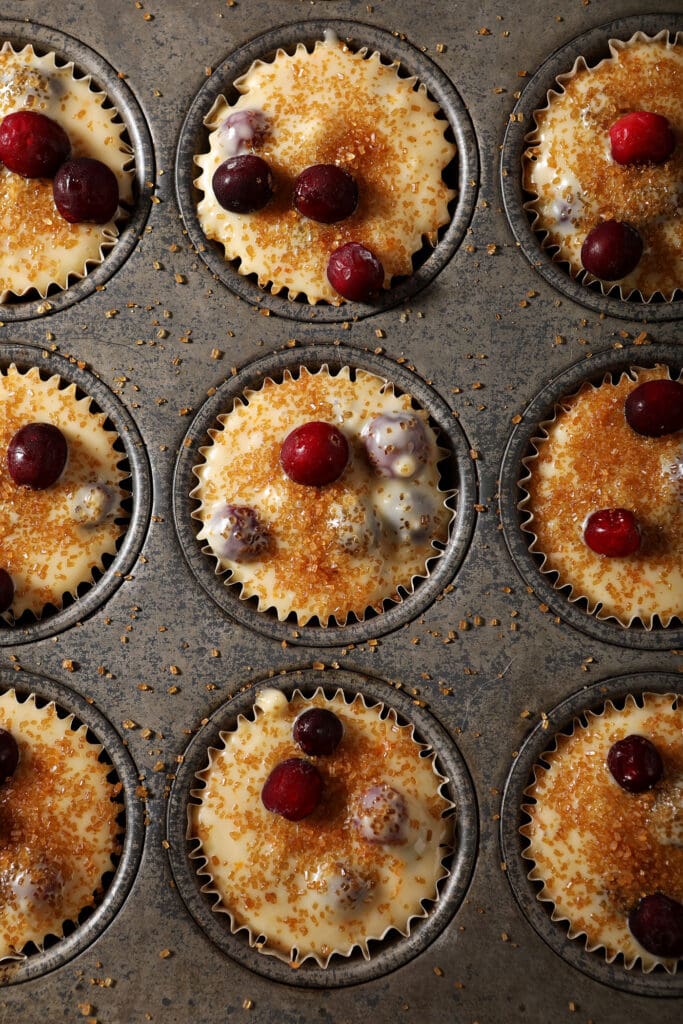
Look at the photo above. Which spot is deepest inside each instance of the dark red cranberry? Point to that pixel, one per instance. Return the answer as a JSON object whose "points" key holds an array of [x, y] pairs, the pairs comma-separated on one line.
{"points": [[36, 455], [86, 190], [6, 591], [642, 137], [635, 763], [243, 184], [9, 755], [611, 250], [314, 454], [317, 731], [32, 144], [237, 533], [326, 193], [613, 532], [655, 408], [355, 272], [657, 924], [293, 789]]}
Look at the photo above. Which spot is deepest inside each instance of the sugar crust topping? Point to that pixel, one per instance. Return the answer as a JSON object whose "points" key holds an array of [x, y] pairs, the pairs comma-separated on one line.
{"points": [[59, 831], [315, 887], [333, 106], [577, 184], [597, 848], [589, 459], [45, 544], [333, 550], [38, 247]]}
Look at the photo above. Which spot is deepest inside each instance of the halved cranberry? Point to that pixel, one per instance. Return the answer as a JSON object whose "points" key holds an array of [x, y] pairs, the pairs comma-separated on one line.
{"points": [[355, 272], [326, 193], [642, 137], [613, 532], [317, 731], [635, 763], [36, 455], [657, 924], [655, 408], [611, 250], [6, 591], [9, 755], [32, 144], [243, 184], [314, 454], [293, 789], [86, 190]]}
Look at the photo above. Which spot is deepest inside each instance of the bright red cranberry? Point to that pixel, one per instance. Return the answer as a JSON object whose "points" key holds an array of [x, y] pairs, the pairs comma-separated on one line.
{"points": [[314, 454], [355, 272], [611, 250], [655, 408], [9, 755], [642, 137], [243, 184], [613, 532], [32, 144], [382, 815], [635, 763], [86, 190], [36, 455], [293, 789], [317, 731], [326, 193], [6, 591], [657, 924]]}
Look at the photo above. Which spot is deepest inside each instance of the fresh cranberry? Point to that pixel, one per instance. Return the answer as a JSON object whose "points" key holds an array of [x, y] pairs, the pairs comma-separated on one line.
{"points": [[243, 184], [317, 731], [396, 443], [314, 454], [9, 755], [657, 924], [613, 532], [6, 591], [293, 789], [36, 455], [326, 193], [635, 763], [382, 815], [355, 272], [642, 137], [237, 533], [611, 250], [32, 144], [86, 190], [655, 408]]}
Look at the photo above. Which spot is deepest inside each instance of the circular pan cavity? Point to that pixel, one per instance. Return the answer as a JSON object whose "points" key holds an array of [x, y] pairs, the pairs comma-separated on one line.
{"points": [[457, 470], [89, 925], [591, 45], [137, 135], [138, 482], [520, 444], [658, 982], [395, 950], [460, 174]]}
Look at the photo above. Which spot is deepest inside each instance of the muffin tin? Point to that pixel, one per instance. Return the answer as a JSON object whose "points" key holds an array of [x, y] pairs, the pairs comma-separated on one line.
{"points": [[158, 656]]}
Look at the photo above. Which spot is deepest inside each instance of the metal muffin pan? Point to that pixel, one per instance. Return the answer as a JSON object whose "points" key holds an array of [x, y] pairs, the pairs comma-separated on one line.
{"points": [[160, 335]]}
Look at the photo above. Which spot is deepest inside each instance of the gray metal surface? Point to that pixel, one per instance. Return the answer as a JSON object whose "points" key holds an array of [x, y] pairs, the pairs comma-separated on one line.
{"points": [[159, 658]]}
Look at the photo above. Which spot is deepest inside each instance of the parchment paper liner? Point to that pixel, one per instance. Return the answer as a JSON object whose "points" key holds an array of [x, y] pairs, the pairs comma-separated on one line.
{"points": [[576, 269], [118, 159], [31, 606], [296, 956], [574, 593], [632, 951], [77, 734], [401, 588], [353, 228]]}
